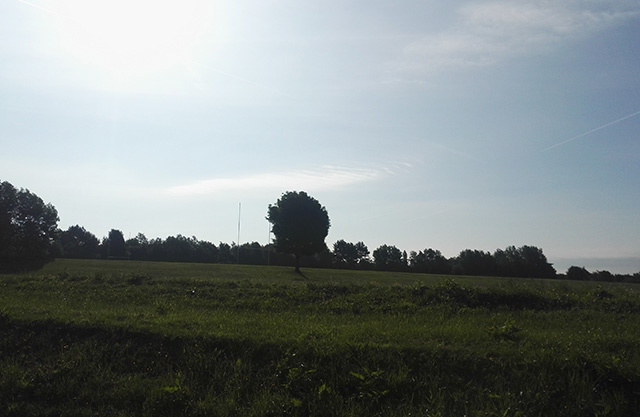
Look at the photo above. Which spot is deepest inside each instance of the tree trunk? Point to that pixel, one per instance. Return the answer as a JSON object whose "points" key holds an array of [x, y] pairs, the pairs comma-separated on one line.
{"points": [[297, 264]]}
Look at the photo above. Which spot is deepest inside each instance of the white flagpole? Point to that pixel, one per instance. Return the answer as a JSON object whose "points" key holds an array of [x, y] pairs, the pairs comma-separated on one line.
{"points": [[238, 252]]}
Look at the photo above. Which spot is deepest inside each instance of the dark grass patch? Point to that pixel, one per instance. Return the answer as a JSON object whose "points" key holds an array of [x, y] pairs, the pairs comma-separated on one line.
{"points": [[54, 370]]}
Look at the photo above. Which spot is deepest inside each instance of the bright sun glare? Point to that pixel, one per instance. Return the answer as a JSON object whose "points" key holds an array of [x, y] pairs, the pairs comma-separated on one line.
{"points": [[134, 38]]}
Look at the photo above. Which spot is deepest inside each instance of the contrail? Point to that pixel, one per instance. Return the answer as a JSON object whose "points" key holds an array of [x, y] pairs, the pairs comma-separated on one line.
{"points": [[207, 67], [591, 131], [44, 9]]}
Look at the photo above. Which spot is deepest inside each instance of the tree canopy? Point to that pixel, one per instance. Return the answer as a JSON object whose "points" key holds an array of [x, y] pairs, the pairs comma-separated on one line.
{"points": [[525, 261], [300, 225], [77, 242], [389, 258], [116, 247], [429, 261], [349, 254], [28, 229], [578, 273], [474, 262]]}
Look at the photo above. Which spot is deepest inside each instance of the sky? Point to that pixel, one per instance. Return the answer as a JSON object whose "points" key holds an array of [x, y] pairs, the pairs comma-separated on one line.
{"points": [[420, 124]]}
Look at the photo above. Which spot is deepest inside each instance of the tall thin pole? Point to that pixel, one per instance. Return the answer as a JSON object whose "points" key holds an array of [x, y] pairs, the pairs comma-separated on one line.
{"points": [[268, 245], [238, 252]]}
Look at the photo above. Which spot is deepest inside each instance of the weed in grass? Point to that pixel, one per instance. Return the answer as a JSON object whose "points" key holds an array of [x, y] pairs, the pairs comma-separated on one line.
{"points": [[505, 332]]}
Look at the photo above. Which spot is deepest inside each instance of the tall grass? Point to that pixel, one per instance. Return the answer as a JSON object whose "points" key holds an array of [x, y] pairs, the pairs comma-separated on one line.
{"points": [[146, 339]]}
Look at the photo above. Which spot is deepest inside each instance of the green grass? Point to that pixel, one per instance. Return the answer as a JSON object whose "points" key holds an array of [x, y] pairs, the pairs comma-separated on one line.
{"points": [[143, 339]]}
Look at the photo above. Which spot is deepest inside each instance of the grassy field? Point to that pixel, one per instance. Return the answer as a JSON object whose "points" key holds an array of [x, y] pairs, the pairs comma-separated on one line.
{"points": [[115, 338]]}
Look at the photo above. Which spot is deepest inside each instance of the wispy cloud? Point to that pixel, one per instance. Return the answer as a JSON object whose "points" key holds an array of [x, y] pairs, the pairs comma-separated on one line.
{"points": [[324, 178], [490, 32]]}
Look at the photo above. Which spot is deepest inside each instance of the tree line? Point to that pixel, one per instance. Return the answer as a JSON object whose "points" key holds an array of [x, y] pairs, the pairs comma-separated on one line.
{"points": [[524, 261], [29, 238]]}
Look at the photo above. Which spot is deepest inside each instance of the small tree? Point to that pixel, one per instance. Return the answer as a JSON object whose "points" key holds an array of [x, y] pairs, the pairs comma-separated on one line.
{"points": [[28, 229], [78, 243], [225, 254], [363, 252], [389, 258], [345, 253], [474, 262], [116, 247], [429, 261], [300, 225], [138, 247], [525, 261], [350, 254], [578, 273]]}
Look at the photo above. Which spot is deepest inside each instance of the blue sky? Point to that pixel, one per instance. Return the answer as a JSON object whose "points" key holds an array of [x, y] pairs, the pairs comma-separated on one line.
{"points": [[420, 124]]}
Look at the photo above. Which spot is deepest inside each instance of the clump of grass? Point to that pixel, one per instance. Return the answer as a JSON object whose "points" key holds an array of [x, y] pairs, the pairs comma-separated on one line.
{"points": [[507, 331]]}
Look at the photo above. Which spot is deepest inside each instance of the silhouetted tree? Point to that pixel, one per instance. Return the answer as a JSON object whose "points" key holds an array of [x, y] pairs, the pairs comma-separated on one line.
{"points": [[603, 275], [578, 273], [526, 261], [253, 254], [180, 249], [28, 230], [138, 248], [474, 262], [300, 225], [77, 242], [363, 252], [429, 261], [347, 254], [174, 249], [116, 247], [156, 250], [225, 254], [388, 258], [207, 252]]}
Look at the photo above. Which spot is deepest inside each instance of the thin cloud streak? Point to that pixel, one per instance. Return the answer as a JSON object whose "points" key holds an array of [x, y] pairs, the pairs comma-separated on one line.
{"points": [[490, 32], [36, 6], [591, 131], [322, 179]]}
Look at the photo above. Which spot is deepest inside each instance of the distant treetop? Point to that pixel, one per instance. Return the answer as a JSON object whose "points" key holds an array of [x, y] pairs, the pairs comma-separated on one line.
{"points": [[300, 225]]}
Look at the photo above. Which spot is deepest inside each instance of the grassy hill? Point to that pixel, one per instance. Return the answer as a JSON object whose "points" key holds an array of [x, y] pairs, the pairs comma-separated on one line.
{"points": [[144, 339]]}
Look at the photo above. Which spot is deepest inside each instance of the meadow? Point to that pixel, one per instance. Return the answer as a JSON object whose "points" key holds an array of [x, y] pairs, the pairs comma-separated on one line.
{"points": [[119, 338]]}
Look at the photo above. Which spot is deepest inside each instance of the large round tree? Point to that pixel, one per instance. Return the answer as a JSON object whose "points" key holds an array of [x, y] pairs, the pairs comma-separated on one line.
{"points": [[300, 225], [28, 228]]}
